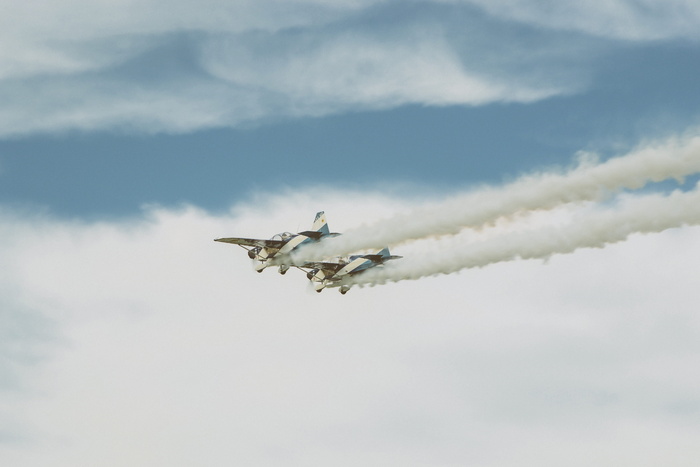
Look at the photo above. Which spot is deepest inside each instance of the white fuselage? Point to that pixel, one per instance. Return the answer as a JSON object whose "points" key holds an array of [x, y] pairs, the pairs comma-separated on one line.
{"points": [[352, 266], [292, 244]]}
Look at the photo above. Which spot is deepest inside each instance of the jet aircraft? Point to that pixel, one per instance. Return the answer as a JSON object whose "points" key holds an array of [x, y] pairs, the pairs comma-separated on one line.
{"points": [[335, 273], [281, 245]]}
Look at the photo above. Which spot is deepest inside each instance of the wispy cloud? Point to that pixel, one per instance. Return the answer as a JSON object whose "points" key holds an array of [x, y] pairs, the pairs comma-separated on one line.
{"points": [[176, 67], [633, 20]]}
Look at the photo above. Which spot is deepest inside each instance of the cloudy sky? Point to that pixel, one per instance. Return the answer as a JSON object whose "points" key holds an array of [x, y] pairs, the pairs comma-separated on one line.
{"points": [[134, 133]]}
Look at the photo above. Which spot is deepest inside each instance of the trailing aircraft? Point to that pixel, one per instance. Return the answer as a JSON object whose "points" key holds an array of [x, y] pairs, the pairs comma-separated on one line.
{"points": [[336, 273], [281, 245]]}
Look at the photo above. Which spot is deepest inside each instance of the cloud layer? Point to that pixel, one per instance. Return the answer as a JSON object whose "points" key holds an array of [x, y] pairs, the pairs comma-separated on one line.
{"points": [[152, 344], [632, 20], [178, 67]]}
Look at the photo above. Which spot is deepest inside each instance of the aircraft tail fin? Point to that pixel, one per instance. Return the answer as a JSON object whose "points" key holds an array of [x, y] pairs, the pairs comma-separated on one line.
{"points": [[384, 252], [320, 224]]}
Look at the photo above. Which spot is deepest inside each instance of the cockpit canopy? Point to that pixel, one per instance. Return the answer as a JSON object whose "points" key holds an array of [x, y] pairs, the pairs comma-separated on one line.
{"points": [[283, 236]]}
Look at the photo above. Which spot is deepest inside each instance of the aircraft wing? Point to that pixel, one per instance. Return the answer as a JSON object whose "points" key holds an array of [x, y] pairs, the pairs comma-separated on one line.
{"points": [[324, 266], [254, 242]]}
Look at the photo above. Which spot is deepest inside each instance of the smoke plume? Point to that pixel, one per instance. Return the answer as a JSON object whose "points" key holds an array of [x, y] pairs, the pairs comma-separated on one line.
{"points": [[589, 181], [592, 228]]}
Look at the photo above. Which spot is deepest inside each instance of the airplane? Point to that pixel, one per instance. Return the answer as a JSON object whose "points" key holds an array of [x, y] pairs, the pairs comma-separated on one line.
{"points": [[335, 273], [281, 245]]}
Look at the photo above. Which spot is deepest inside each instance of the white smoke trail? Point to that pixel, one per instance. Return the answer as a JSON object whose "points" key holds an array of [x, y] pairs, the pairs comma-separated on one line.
{"points": [[676, 158], [593, 229]]}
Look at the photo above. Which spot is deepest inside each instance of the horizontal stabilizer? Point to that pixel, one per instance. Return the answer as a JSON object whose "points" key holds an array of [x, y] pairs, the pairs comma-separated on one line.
{"points": [[380, 258], [312, 234], [317, 235]]}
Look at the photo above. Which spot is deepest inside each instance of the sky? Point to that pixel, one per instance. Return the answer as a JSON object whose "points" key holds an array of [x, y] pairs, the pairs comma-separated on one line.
{"points": [[534, 162]]}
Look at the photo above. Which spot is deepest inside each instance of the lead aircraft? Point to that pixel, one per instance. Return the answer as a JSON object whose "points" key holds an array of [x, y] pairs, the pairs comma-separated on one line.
{"points": [[281, 245], [336, 273]]}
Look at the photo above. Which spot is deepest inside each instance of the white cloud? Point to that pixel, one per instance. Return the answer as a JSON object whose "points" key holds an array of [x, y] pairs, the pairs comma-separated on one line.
{"points": [[167, 349], [180, 67], [635, 20], [361, 71], [174, 67]]}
